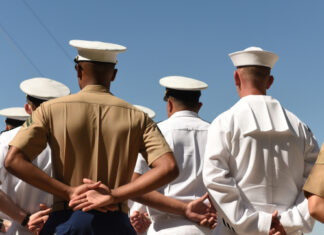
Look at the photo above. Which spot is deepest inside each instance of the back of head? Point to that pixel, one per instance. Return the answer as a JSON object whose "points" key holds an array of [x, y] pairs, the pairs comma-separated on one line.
{"points": [[256, 75], [185, 99]]}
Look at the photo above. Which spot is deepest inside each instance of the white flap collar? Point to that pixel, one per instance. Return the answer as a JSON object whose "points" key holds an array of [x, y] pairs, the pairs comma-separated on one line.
{"points": [[259, 113]]}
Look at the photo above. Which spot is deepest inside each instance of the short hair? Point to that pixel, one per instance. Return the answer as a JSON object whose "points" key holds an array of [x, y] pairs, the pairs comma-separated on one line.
{"points": [[34, 101], [189, 99], [14, 122], [256, 71]]}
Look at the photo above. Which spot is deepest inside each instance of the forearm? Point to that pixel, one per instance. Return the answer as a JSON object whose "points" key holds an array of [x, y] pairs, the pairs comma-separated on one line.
{"points": [[159, 201], [8, 207], [18, 164], [164, 170]]}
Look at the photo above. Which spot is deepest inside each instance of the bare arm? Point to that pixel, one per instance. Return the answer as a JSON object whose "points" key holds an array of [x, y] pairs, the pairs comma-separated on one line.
{"points": [[316, 207], [19, 165], [8, 207]]}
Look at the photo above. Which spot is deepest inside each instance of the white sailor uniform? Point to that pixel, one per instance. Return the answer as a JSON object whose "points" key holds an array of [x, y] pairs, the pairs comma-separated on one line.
{"points": [[258, 156], [23, 194], [186, 135]]}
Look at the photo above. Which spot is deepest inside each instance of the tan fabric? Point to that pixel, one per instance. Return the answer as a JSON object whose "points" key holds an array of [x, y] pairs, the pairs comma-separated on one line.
{"points": [[92, 134], [315, 181]]}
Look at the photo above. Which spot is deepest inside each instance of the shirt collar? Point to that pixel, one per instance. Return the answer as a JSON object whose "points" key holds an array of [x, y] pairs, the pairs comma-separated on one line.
{"points": [[95, 88], [184, 113]]}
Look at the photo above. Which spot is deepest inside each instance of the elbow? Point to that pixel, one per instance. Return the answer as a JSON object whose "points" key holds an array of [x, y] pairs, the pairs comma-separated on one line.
{"points": [[9, 163], [315, 207], [173, 171]]}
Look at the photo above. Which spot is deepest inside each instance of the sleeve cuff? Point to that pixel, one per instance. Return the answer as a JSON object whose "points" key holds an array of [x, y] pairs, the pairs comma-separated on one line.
{"points": [[264, 222], [315, 182]]}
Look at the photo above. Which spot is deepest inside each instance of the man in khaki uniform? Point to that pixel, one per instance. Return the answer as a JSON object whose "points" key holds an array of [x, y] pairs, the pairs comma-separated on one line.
{"points": [[314, 188], [94, 135]]}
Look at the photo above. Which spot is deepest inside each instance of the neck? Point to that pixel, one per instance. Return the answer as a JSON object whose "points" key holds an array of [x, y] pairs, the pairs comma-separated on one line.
{"points": [[86, 82], [254, 91]]}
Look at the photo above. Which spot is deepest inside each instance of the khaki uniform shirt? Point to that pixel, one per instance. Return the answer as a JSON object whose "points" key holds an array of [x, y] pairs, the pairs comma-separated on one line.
{"points": [[315, 180], [92, 134]]}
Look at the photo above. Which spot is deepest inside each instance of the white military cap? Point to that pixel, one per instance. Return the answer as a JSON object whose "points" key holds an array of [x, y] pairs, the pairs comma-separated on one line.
{"points": [[146, 110], [16, 113], [254, 56], [183, 83], [97, 51], [44, 88]]}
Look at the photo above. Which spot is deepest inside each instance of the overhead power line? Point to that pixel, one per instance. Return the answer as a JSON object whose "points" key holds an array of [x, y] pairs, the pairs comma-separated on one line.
{"points": [[48, 31], [20, 51]]}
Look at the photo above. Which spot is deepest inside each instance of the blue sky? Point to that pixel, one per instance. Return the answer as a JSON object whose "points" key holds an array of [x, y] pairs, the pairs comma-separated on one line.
{"points": [[190, 38]]}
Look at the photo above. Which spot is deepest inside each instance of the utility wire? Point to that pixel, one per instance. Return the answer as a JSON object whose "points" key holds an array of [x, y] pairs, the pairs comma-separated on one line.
{"points": [[48, 31], [16, 46]]}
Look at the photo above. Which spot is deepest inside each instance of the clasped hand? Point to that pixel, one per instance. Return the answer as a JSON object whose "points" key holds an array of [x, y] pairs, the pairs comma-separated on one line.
{"points": [[92, 196]]}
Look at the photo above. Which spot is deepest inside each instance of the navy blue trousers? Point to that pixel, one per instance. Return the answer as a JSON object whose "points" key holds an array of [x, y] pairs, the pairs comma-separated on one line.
{"points": [[88, 223]]}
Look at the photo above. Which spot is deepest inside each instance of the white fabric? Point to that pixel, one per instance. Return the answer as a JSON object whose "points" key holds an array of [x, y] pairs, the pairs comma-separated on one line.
{"points": [[183, 83], [44, 88], [254, 56], [186, 135], [16, 113], [176, 225], [146, 110], [97, 51], [258, 156], [23, 194]]}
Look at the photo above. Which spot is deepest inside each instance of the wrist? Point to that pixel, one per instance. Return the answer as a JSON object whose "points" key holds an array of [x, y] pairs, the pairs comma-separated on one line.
{"points": [[25, 220]]}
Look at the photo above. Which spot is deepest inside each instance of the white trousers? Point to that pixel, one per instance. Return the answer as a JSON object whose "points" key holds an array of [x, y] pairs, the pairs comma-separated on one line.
{"points": [[167, 225]]}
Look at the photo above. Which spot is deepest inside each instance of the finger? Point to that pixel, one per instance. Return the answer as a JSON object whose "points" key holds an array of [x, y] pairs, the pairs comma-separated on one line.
{"points": [[203, 222], [203, 198], [45, 212], [81, 206], [101, 209], [76, 199], [43, 206], [94, 185], [77, 202], [89, 207], [88, 181], [275, 214]]}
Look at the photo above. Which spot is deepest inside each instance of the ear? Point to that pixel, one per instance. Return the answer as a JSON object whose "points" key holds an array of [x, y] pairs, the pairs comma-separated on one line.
{"points": [[270, 81], [169, 106], [199, 106], [28, 109], [237, 79], [114, 75], [79, 73]]}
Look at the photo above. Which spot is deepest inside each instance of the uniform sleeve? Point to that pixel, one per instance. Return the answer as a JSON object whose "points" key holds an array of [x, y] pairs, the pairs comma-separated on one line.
{"points": [[32, 137], [154, 144], [315, 180], [3, 153], [297, 218], [141, 165], [236, 211]]}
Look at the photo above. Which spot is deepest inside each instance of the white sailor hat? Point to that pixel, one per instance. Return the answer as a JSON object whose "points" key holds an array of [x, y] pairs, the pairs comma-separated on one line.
{"points": [[15, 113], [97, 51], [254, 56], [44, 88], [146, 110], [183, 83]]}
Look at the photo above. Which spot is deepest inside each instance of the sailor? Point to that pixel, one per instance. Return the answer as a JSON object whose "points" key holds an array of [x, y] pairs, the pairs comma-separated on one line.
{"points": [[258, 156], [141, 221], [95, 135], [186, 133], [15, 116], [24, 199]]}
